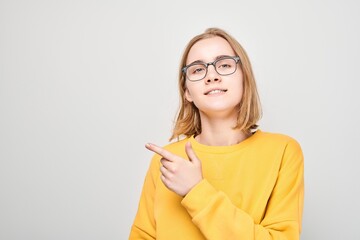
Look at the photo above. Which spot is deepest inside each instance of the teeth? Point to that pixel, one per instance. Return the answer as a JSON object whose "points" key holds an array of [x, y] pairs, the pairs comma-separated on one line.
{"points": [[215, 91]]}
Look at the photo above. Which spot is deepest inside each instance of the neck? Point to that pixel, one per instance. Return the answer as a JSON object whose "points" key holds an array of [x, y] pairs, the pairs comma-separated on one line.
{"points": [[220, 132]]}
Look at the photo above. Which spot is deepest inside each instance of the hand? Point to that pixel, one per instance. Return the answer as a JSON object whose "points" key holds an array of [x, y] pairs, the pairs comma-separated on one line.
{"points": [[178, 174]]}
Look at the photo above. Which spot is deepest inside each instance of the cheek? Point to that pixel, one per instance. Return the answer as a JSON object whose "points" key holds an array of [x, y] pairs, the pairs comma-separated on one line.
{"points": [[193, 92], [241, 82], [239, 86], [188, 95]]}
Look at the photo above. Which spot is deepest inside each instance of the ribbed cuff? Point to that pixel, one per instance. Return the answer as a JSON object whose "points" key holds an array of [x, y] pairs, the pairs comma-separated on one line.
{"points": [[199, 197]]}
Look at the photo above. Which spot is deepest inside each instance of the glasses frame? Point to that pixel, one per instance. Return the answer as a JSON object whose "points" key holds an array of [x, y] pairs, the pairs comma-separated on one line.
{"points": [[235, 58]]}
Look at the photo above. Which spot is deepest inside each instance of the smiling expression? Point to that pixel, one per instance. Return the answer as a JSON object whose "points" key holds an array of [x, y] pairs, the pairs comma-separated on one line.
{"points": [[215, 93]]}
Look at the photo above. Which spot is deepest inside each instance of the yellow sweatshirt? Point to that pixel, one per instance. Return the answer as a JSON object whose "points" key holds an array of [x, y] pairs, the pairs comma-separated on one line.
{"points": [[252, 190]]}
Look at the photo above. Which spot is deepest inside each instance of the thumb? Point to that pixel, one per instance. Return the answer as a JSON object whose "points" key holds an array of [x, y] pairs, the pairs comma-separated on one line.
{"points": [[191, 154]]}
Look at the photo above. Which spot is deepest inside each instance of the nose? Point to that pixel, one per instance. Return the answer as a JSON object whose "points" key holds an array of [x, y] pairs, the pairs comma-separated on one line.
{"points": [[212, 75]]}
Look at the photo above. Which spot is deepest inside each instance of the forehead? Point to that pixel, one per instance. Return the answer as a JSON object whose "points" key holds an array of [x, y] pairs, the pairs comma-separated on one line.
{"points": [[208, 49]]}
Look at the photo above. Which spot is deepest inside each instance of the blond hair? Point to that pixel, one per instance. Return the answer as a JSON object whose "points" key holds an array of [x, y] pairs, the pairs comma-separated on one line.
{"points": [[249, 109]]}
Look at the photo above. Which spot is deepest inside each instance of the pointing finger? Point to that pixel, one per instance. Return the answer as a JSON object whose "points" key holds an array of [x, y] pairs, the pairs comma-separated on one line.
{"points": [[161, 151]]}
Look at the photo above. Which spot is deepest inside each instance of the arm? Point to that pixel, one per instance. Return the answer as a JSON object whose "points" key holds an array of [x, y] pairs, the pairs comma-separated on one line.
{"points": [[144, 223], [217, 218]]}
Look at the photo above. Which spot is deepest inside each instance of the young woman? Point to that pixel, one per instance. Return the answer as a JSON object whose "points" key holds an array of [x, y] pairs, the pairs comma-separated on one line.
{"points": [[225, 179]]}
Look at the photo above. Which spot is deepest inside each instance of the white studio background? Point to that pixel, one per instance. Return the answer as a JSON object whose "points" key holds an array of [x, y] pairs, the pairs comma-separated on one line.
{"points": [[85, 84]]}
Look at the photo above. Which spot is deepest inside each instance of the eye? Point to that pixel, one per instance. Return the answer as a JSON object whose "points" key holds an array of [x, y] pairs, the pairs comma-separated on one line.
{"points": [[196, 69], [225, 65]]}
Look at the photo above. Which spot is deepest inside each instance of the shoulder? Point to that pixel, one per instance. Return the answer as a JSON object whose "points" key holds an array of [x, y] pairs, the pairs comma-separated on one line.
{"points": [[176, 143], [277, 142], [278, 139]]}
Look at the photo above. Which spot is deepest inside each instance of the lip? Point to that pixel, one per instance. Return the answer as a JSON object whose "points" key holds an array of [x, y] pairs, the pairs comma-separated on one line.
{"points": [[223, 90]]}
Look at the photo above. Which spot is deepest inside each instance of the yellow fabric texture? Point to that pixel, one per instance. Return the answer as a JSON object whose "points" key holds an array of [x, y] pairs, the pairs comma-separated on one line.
{"points": [[251, 191]]}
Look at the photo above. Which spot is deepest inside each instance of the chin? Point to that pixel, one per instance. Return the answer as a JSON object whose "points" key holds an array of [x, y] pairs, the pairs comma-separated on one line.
{"points": [[220, 110]]}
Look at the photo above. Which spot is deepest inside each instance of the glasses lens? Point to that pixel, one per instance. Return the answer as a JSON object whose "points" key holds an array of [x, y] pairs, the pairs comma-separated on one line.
{"points": [[225, 66], [196, 72]]}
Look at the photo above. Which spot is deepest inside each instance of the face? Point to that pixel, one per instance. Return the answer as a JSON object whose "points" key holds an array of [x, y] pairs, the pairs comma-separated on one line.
{"points": [[215, 93]]}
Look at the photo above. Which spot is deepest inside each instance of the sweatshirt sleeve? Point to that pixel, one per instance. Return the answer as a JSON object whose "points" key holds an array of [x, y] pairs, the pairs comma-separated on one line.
{"points": [[144, 224], [218, 218]]}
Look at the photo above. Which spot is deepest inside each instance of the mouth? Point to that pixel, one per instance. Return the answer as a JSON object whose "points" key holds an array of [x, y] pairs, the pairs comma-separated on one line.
{"points": [[215, 91]]}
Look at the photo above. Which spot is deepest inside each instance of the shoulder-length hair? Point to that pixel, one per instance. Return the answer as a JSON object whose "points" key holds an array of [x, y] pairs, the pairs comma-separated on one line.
{"points": [[249, 109]]}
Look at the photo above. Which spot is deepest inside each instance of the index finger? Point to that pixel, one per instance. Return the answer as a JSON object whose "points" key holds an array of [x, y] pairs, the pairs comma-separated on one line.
{"points": [[161, 151]]}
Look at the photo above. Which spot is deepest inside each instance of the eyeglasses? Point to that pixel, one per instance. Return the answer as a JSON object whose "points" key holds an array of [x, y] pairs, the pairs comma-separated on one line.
{"points": [[223, 66]]}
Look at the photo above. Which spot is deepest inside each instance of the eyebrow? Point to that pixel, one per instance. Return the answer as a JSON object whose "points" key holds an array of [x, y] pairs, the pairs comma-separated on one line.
{"points": [[200, 61]]}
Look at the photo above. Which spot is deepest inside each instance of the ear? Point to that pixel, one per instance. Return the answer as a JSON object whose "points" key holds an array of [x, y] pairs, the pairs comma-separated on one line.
{"points": [[188, 96]]}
